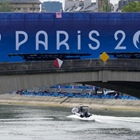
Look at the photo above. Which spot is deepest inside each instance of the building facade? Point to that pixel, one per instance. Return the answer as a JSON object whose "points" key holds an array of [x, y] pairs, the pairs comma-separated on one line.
{"points": [[86, 5], [80, 6], [24, 5], [51, 6]]}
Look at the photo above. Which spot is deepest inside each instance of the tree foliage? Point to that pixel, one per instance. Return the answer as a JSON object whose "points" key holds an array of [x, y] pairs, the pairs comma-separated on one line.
{"points": [[105, 7], [132, 7], [5, 6]]}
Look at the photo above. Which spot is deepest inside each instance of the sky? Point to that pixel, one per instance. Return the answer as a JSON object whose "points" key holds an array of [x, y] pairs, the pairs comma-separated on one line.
{"points": [[111, 1]]}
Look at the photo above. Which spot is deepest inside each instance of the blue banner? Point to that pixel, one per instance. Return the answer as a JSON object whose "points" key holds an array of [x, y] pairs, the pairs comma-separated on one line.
{"points": [[94, 33]]}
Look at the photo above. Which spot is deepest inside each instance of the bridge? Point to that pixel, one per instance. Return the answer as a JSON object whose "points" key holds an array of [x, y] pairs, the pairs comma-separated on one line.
{"points": [[119, 74]]}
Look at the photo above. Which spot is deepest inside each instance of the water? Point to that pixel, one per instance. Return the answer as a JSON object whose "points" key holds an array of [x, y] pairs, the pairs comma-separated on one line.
{"points": [[52, 123]]}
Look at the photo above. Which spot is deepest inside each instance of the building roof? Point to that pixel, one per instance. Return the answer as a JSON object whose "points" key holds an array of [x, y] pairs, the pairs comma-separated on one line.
{"points": [[22, 1], [90, 8]]}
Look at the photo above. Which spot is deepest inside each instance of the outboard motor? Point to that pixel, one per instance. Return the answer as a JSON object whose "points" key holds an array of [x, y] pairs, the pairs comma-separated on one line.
{"points": [[74, 110]]}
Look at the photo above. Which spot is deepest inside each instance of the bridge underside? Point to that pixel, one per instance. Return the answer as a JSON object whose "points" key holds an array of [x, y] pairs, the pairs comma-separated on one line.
{"points": [[16, 82], [117, 74], [131, 88]]}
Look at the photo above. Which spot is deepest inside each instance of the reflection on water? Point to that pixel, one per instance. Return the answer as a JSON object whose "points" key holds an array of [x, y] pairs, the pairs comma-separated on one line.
{"points": [[51, 123]]}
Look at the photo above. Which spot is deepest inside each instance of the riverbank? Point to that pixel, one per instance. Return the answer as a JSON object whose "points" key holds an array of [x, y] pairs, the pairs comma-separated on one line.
{"points": [[105, 104]]}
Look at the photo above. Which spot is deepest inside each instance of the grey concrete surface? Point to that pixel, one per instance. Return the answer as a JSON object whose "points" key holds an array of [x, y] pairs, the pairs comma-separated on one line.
{"points": [[15, 76], [132, 105]]}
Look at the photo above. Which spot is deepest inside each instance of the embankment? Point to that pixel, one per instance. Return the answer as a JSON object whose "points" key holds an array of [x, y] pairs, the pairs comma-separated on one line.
{"points": [[115, 104]]}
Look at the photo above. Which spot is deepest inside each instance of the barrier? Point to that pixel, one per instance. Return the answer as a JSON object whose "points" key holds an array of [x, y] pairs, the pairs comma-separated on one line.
{"points": [[73, 95]]}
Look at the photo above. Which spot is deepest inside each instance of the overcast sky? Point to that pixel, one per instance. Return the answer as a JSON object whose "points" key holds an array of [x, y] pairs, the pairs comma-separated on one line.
{"points": [[112, 1]]}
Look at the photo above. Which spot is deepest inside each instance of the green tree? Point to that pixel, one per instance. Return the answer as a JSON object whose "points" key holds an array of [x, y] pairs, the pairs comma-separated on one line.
{"points": [[105, 7], [132, 7], [5, 6]]}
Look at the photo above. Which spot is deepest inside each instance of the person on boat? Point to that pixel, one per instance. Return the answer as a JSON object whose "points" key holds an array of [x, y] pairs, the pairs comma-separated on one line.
{"points": [[80, 109], [83, 112]]}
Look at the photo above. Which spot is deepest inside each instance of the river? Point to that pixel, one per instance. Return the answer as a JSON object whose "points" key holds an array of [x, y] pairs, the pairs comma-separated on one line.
{"points": [[52, 123]]}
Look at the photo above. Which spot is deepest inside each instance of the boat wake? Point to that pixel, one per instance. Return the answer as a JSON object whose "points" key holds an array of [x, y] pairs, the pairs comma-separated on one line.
{"points": [[91, 118], [108, 119]]}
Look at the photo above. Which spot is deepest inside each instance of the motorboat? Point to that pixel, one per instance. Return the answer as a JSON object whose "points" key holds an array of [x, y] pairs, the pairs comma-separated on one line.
{"points": [[81, 112]]}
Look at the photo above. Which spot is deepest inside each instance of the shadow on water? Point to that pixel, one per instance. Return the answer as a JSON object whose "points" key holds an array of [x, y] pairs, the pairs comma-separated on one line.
{"points": [[34, 112], [14, 111], [117, 113], [8, 111]]}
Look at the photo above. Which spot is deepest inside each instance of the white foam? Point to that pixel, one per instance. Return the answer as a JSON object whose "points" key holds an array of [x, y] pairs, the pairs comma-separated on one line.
{"points": [[91, 118], [113, 118]]}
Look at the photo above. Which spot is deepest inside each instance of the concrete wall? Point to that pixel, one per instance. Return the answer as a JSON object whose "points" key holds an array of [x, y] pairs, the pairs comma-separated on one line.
{"points": [[71, 102], [14, 76]]}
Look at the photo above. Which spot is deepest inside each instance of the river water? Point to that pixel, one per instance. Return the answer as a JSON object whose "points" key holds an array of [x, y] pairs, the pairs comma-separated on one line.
{"points": [[52, 123]]}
